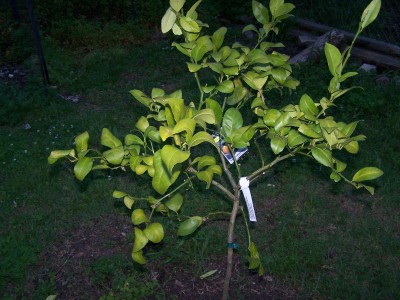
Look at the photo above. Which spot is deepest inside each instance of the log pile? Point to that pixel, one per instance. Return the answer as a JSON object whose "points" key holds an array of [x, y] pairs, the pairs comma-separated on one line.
{"points": [[369, 50]]}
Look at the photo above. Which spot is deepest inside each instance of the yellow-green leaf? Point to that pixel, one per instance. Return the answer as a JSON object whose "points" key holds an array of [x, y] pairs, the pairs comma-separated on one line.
{"points": [[154, 232], [140, 240], [367, 173], [138, 217], [83, 167], [189, 226]]}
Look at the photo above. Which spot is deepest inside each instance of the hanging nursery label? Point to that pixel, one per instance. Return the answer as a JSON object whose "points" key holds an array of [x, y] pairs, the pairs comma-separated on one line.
{"points": [[244, 186]]}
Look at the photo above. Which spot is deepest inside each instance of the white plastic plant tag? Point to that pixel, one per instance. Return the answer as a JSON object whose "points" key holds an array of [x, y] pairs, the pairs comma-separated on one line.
{"points": [[244, 186]]}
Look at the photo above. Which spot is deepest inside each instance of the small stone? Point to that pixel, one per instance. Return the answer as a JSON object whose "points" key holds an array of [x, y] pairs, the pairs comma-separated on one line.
{"points": [[367, 68]]}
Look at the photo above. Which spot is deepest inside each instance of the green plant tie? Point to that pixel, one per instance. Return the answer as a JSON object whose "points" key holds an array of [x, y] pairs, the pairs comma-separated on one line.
{"points": [[232, 245]]}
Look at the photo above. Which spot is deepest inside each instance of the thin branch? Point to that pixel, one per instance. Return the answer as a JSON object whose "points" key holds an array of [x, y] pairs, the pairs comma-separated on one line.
{"points": [[260, 171], [223, 189], [226, 170]]}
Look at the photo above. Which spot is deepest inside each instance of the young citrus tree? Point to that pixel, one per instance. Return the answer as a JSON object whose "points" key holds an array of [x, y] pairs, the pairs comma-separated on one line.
{"points": [[162, 146]]}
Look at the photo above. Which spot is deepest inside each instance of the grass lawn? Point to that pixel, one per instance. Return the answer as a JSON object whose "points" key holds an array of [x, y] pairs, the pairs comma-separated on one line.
{"points": [[318, 239]]}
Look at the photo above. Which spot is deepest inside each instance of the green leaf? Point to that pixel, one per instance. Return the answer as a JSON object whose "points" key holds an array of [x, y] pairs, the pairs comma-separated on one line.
{"points": [[308, 131], [154, 232], [218, 37], [142, 124], [187, 125], [323, 156], [208, 274], [191, 12], [178, 108], [138, 217], [138, 257], [334, 59], [176, 4], [81, 142], [307, 105], [189, 25], [140, 240], [275, 6], [370, 13], [203, 45], [216, 108], [260, 12], [168, 20], [118, 194], [201, 137], [232, 71], [367, 173], [340, 166], [131, 139], [193, 67], [282, 121], [295, 138], [83, 167], [335, 176], [232, 120], [204, 161], [226, 87], [128, 201], [109, 140], [175, 202], [277, 144], [352, 147], [114, 156], [162, 179], [189, 226], [57, 154], [141, 97], [271, 116], [238, 94], [205, 115], [171, 156]]}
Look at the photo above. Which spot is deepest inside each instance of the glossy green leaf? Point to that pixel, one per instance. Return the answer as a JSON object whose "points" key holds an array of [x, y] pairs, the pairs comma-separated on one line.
{"points": [[140, 240], [335, 176], [114, 156], [83, 167], [138, 217], [367, 173], [128, 201], [282, 121], [154, 232], [340, 166], [348, 130], [142, 124], [131, 139], [294, 138], [201, 137], [231, 71], [277, 144], [178, 108], [216, 108], [81, 142], [283, 11], [109, 140], [226, 87], [57, 154], [238, 94], [206, 115], [141, 97], [333, 57], [307, 105], [192, 11], [187, 125], [218, 37], [323, 156], [370, 13], [274, 6], [162, 179], [204, 161], [260, 12], [138, 257], [352, 147], [193, 67], [175, 202], [118, 194], [308, 131], [176, 4], [189, 25], [232, 120], [168, 20], [171, 156], [203, 45], [189, 226], [271, 116]]}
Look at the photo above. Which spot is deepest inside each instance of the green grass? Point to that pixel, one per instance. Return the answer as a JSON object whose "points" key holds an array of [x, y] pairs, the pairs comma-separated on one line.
{"points": [[322, 239]]}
